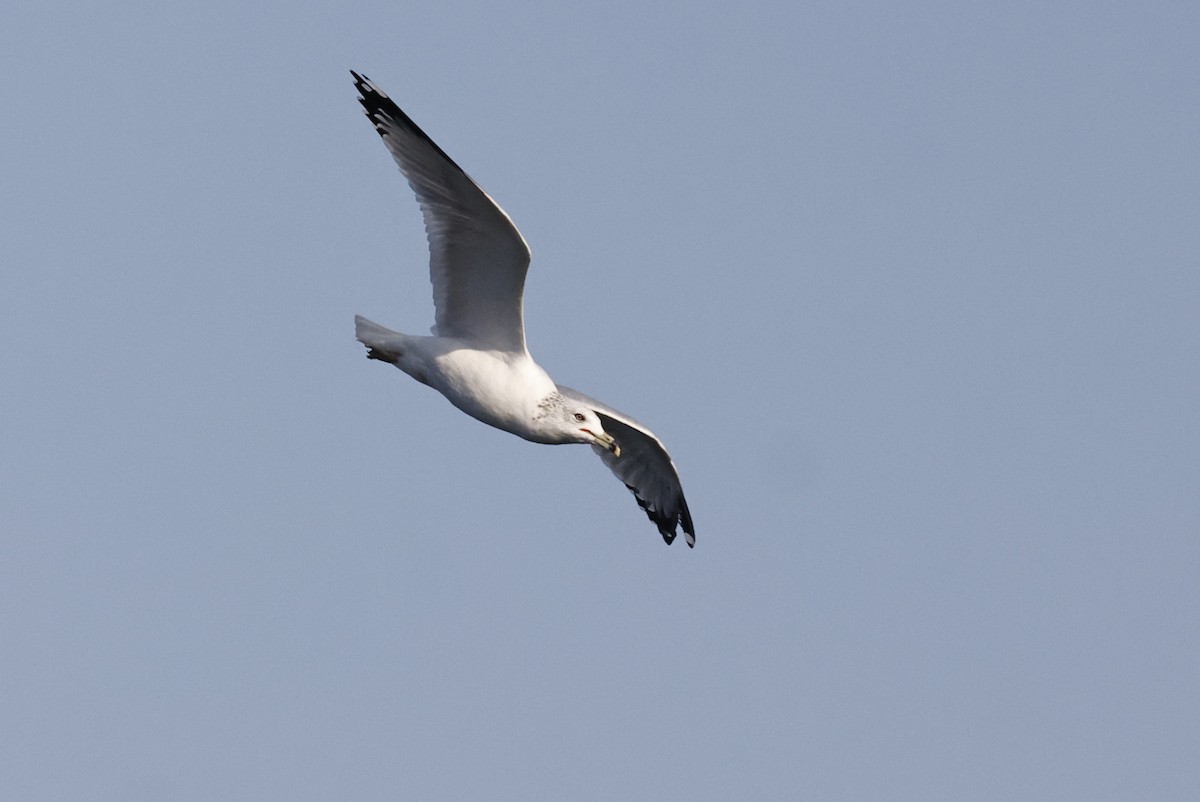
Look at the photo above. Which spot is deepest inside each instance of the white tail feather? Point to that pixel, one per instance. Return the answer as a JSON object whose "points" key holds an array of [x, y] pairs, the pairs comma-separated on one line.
{"points": [[381, 340]]}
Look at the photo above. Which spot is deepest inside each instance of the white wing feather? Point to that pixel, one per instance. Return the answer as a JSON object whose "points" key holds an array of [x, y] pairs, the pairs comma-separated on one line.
{"points": [[478, 258]]}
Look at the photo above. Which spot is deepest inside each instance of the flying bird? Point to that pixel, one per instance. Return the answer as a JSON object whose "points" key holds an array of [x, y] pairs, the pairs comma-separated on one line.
{"points": [[477, 357]]}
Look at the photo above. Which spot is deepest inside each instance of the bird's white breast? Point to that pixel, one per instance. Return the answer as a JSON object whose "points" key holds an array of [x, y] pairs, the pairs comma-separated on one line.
{"points": [[499, 388]]}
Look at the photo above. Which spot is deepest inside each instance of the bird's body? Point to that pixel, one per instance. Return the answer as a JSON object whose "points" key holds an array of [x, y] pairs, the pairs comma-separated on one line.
{"points": [[499, 388], [477, 357]]}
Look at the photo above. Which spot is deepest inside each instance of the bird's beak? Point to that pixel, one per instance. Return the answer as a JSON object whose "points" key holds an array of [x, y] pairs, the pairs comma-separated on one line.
{"points": [[605, 439]]}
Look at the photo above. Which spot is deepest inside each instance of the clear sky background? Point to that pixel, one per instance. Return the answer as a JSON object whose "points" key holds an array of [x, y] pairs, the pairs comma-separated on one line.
{"points": [[911, 292]]}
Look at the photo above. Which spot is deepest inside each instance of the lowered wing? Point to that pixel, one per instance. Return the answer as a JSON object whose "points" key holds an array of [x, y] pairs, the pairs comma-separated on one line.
{"points": [[644, 466]]}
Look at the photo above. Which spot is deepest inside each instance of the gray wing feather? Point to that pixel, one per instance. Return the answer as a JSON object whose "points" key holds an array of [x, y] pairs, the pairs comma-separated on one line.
{"points": [[478, 258], [644, 466]]}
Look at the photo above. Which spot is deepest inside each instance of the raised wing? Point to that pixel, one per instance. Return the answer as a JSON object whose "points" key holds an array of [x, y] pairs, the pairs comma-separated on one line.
{"points": [[478, 258], [644, 466]]}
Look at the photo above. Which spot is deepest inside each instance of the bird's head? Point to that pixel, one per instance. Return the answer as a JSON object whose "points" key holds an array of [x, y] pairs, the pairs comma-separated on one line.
{"points": [[591, 431], [576, 423]]}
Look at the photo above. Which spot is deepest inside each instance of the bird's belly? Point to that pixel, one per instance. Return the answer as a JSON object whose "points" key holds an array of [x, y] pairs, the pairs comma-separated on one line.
{"points": [[494, 388]]}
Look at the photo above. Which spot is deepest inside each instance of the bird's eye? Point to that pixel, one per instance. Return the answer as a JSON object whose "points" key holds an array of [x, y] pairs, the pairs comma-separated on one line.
{"points": [[579, 417]]}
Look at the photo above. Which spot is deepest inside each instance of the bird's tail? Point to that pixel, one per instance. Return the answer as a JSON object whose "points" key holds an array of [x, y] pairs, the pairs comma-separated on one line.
{"points": [[382, 343]]}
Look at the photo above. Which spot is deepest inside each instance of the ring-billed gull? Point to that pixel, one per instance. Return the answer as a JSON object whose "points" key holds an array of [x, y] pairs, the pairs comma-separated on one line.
{"points": [[477, 357]]}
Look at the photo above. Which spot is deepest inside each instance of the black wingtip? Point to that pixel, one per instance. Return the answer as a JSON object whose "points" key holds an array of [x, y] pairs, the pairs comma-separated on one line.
{"points": [[361, 82], [383, 113], [667, 523], [685, 519]]}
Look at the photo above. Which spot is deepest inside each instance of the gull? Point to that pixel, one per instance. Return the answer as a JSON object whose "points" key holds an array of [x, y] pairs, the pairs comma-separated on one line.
{"points": [[477, 357]]}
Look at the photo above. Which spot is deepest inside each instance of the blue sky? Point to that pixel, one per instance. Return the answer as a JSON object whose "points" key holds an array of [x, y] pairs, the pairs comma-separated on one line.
{"points": [[910, 293]]}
